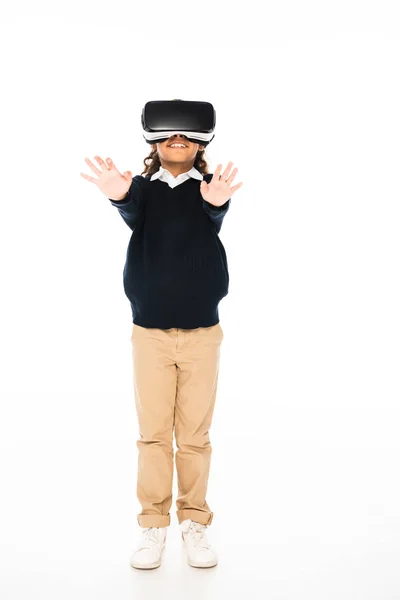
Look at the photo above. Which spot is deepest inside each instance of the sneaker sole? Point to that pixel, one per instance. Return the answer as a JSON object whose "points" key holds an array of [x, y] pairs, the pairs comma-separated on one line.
{"points": [[202, 565]]}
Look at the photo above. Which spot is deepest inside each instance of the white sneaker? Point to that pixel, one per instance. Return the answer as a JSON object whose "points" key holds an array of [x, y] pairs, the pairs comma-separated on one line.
{"points": [[148, 553], [198, 550]]}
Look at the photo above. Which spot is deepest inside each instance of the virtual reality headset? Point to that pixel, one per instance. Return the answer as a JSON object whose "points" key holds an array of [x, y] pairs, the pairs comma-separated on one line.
{"points": [[163, 118]]}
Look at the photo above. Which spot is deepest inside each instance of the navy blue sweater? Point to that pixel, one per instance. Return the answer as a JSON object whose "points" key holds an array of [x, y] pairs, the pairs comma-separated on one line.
{"points": [[176, 269]]}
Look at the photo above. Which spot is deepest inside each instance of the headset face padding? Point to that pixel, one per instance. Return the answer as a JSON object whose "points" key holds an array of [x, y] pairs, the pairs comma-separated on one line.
{"points": [[191, 139]]}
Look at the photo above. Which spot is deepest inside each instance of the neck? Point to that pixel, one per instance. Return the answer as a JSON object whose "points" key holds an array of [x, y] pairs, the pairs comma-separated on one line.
{"points": [[177, 168]]}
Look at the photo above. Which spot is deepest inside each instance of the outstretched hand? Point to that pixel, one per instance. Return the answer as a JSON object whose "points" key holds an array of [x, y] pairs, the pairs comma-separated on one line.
{"points": [[219, 190]]}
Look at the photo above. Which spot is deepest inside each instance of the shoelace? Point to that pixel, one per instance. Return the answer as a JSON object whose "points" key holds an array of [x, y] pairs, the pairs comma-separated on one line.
{"points": [[197, 531], [149, 537]]}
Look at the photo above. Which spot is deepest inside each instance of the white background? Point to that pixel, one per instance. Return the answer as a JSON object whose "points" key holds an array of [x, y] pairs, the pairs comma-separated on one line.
{"points": [[304, 480]]}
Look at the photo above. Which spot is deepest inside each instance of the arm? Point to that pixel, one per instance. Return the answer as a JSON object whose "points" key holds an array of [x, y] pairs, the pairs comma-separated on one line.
{"points": [[216, 213], [131, 206]]}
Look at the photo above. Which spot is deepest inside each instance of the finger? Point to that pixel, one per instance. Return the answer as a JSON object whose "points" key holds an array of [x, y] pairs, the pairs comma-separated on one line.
{"points": [[101, 162], [217, 172], [111, 165], [226, 172], [232, 176], [93, 167], [88, 177], [236, 187]]}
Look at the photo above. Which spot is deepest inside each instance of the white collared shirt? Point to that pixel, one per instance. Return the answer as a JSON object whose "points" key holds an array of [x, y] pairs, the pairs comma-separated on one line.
{"points": [[165, 175]]}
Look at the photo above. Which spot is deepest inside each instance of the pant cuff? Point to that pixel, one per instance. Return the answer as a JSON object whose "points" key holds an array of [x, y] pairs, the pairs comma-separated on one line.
{"points": [[200, 516], [154, 520]]}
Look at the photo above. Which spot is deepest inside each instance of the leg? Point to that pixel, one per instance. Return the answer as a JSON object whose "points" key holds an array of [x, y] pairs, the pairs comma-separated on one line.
{"points": [[155, 383], [198, 367]]}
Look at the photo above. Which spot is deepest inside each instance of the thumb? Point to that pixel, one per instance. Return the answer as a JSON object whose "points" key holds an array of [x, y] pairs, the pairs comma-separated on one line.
{"points": [[128, 175]]}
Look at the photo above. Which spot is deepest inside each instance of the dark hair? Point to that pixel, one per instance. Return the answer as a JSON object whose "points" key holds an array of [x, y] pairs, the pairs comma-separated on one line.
{"points": [[152, 167]]}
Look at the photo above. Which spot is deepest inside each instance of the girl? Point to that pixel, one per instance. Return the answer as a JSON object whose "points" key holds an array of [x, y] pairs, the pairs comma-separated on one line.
{"points": [[175, 275]]}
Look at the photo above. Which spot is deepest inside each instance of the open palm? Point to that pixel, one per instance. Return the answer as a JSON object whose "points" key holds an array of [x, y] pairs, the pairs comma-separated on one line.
{"points": [[219, 190]]}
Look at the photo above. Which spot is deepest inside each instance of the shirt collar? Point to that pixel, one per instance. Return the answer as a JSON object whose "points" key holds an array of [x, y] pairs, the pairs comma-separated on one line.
{"points": [[192, 173]]}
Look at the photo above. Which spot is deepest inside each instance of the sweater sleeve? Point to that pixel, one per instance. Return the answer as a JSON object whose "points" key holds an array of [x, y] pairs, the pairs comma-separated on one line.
{"points": [[131, 207], [216, 213]]}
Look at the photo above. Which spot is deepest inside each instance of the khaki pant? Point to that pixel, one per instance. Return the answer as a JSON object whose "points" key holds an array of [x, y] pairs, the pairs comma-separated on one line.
{"points": [[175, 374]]}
